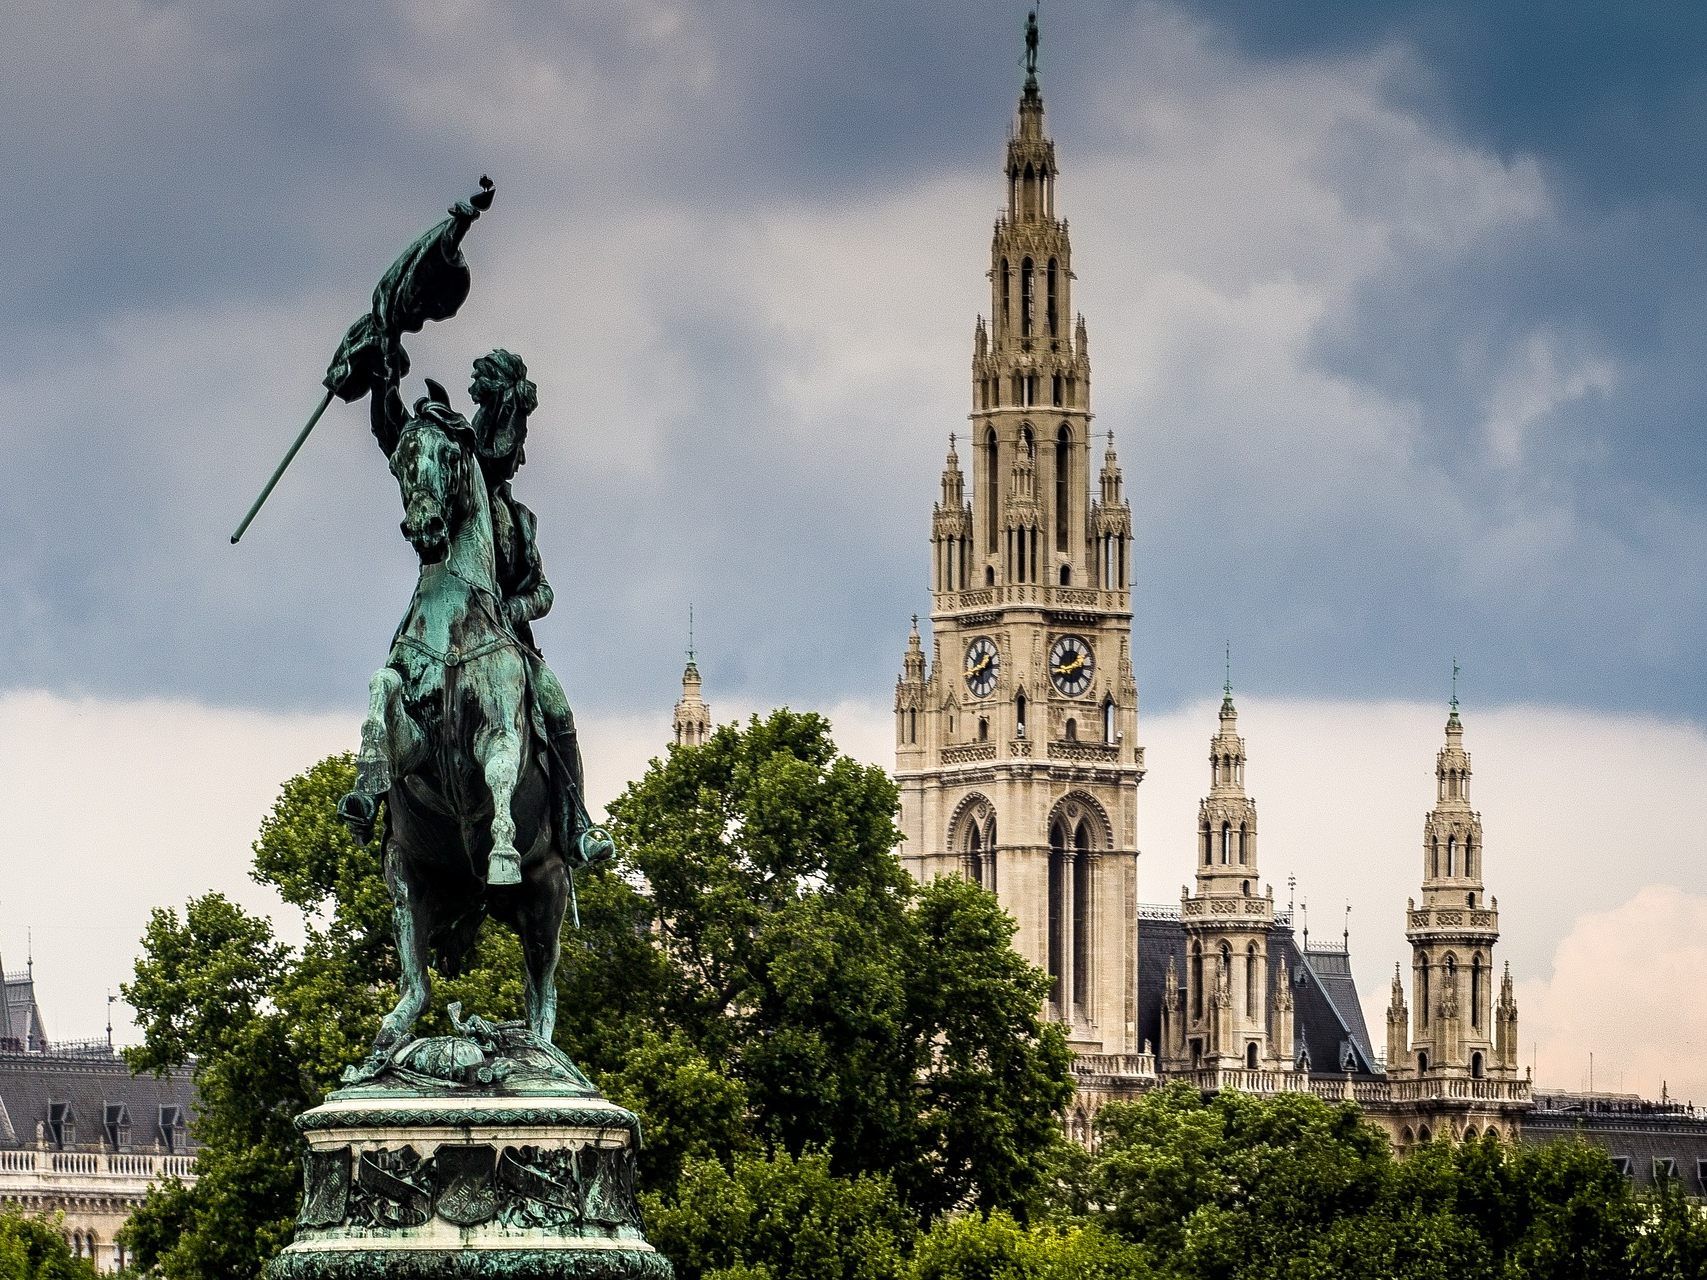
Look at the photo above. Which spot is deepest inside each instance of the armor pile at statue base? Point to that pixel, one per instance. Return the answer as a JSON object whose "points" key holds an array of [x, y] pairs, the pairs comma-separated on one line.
{"points": [[483, 1154]]}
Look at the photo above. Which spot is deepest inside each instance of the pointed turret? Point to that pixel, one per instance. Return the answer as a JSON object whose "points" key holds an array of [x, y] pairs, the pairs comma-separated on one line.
{"points": [[693, 716], [1227, 920], [1398, 1023], [911, 692], [1453, 931]]}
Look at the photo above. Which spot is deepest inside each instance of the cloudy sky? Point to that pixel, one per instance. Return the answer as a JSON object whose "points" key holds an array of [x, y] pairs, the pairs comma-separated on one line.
{"points": [[1398, 314]]}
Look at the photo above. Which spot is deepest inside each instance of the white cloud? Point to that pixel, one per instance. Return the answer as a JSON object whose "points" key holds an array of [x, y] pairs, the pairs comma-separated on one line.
{"points": [[119, 807], [1626, 985]]}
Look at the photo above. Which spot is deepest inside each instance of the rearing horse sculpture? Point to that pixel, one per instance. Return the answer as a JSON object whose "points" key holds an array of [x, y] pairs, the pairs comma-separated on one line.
{"points": [[452, 745]]}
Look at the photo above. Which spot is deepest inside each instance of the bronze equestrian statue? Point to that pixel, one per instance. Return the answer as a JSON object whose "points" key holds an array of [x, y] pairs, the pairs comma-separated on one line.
{"points": [[469, 741]]}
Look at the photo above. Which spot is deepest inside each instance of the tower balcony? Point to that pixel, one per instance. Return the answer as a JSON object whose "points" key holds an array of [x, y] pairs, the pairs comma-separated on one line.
{"points": [[1446, 923], [1036, 594]]}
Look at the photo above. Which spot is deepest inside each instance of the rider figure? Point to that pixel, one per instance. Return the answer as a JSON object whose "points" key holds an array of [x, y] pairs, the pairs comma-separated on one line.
{"points": [[503, 398]]}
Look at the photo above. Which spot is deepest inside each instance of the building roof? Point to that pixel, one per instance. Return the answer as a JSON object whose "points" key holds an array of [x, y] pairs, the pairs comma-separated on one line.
{"points": [[1326, 1014], [37, 1088], [1648, 1140], [21, 1024]]}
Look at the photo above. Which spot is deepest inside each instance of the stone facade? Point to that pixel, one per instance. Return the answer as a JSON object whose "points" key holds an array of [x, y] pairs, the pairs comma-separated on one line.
{"points": [[1018, 762], [81, 1138]]}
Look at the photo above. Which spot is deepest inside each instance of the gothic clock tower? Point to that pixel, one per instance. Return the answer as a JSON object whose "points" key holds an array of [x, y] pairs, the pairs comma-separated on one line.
{"points": [[1016, 739]]}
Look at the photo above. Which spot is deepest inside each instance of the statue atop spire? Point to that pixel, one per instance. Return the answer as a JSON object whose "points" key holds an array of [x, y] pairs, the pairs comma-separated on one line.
{"points": [[1031, 50]]}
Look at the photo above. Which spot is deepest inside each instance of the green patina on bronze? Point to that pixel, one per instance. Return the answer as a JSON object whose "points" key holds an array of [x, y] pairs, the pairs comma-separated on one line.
{"points": [[469, 764], [471, 1264], [470, 771]]}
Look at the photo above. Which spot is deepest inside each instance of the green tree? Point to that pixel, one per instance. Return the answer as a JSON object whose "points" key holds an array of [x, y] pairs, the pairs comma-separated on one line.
{"points": [[778, 1217], [1672, 1241], [891, 1027], [33, 1249], [995, 1247], [756, 974], [270, 1027]]}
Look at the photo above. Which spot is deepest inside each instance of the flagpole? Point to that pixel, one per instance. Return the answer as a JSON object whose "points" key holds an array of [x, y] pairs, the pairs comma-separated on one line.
{"points": [[280, 469]]}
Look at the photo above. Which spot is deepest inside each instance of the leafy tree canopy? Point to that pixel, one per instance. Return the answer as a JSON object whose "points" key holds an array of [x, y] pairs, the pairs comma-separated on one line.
{"points": [[34, 1249], [756, 977]]}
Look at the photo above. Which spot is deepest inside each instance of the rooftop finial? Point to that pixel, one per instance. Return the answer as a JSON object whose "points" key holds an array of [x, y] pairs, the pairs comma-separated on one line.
{"points": [[690, 635], [1455, 672], [1227, 688]]}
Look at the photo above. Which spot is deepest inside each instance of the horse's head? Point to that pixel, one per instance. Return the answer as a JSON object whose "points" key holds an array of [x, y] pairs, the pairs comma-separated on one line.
{"points": [[431, 463]]}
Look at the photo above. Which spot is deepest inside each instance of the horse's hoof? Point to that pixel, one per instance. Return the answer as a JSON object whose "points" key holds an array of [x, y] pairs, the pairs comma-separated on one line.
{"points": [[504, 867], [358, 810]]}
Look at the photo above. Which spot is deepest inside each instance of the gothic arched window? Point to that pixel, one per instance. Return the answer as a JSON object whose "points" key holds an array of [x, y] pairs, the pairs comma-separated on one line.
{"points": [[1026, 301], [991, 508], [1081, 865], [1019, 712], [1108, 719], [1476, 990], [1063, 490], [1058, 918], [1197, 980], [1226, 843], [1050, 314], [1251, 980], [1244, 835], [1451, 855]]}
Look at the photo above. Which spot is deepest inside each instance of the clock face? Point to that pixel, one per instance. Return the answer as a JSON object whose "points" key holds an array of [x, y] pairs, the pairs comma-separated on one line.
{"points": [[1071, 666], [982, 666]]}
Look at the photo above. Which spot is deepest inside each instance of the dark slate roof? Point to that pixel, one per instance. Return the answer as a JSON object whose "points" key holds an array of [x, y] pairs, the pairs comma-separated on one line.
{"points": [[20, 1017], [1644, 1137], [1326, 1014], [89, 1080], [1337, 1019]]}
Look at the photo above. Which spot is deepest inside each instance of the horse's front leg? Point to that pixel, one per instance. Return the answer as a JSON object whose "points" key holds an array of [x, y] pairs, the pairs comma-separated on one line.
{"points": [[498, 751], [414, 984], [374, 773]]}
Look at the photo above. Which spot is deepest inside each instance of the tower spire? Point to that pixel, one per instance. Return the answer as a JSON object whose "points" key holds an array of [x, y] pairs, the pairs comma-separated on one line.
{"points": [[692, 720]]}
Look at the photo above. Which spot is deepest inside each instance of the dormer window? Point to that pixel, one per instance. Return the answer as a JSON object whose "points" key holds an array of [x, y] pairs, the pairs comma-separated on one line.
{"points": [[117, 1126], [171, 1128], [61, 1125]]}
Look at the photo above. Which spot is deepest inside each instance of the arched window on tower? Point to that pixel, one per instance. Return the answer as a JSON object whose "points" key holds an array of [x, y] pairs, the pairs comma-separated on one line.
{"points": [[1434, 858], [975, 855], [1197, 980], [1451, 856], [1251, 980], [983, 729], [1423, 1004], [1050, 314], [1055, 390], [1206, 838], [1081, 916], [1058, 918], [1019, 713], [1470, 857], [992, 506], [1026, 301], [1226, 843], [1244, 835], [1007, 297], [1072, 730], [1063, 489], [1476, 990]]}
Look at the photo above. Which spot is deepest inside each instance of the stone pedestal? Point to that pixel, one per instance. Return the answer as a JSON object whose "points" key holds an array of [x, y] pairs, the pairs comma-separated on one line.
{"points": [[522, 1173]]}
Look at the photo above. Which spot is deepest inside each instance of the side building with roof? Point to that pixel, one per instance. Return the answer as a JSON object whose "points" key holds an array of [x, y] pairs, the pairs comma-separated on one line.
{"points": [[81, 1138]]}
